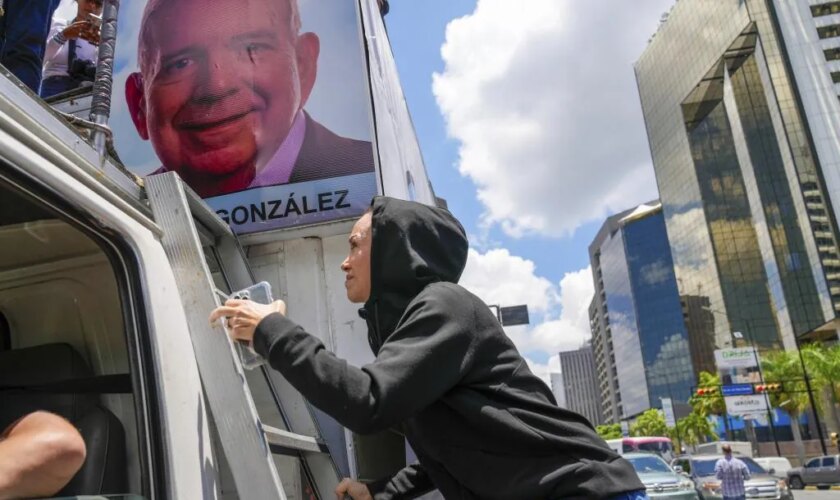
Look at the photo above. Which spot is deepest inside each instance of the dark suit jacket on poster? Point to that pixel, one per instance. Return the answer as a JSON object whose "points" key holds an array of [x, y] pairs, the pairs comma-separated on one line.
{"points": [[325, 154]]}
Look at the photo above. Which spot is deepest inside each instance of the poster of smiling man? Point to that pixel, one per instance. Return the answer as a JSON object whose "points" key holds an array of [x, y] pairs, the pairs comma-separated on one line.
{"points": [[261, 106]]}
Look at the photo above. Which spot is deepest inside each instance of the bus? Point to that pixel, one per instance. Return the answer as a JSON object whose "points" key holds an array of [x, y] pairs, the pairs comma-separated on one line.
{"points": [[659, 445]]}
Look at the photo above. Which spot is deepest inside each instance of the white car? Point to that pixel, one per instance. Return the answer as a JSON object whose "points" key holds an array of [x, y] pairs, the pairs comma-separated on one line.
{"points": [[776, 466]]}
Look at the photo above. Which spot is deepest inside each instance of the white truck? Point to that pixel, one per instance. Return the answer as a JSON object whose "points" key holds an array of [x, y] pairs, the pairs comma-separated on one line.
{"points": [[106, 284]]}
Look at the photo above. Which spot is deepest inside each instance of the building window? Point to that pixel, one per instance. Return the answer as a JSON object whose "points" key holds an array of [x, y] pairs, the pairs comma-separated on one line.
{"points": [[830, 31], [832, 54], [835, 76], [825, 9]]}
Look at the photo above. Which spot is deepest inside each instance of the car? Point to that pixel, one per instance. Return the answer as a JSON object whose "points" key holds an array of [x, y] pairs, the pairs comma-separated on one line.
{"points": [[776, 466], [820, 471], [660, 480], [701, 469]]}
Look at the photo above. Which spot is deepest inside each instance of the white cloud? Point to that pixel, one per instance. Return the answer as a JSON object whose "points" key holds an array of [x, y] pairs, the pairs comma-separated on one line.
{"points": [[543, 99], [559, 313], [501, 278]]}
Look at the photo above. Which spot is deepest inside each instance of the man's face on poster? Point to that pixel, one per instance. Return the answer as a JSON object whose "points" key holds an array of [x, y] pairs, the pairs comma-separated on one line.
{"points": [[222, 81]]}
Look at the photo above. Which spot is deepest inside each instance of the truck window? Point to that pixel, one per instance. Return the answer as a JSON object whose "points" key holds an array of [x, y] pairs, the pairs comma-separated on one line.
{"points": [[65, 329], [829, 461], [813, 463]]}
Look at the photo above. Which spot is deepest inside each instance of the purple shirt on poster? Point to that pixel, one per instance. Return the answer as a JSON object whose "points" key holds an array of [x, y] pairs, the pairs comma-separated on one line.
{"points": [[279, 168]]}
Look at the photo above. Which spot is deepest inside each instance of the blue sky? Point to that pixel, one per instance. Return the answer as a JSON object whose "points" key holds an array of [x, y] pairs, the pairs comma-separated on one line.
{"points": [[530, 126]]}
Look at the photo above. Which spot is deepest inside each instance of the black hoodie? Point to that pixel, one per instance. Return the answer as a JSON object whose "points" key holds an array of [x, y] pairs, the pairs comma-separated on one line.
{"points": [[482, 425]]}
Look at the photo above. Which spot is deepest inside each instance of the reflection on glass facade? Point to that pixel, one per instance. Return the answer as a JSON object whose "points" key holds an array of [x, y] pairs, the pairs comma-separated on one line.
{"points": [[749, 222], [642, 346], [782, 223], [633, 394], [660, 326], [739, 263]]}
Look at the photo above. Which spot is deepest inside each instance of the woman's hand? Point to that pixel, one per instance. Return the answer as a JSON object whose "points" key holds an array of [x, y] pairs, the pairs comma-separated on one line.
{"points": [[74, 31], [353, 489], [243, 316], [91, 34]]}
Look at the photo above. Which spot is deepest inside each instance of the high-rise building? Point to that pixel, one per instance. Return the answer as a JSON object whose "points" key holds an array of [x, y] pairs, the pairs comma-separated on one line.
{"points": [[579, 382], [642, 347], [603, 354], [740, 99], [558, 389]]}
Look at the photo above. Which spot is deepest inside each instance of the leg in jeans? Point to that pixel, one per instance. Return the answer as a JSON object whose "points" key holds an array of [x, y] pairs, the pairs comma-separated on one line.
{"points": [[23, 38], [56, 85]]}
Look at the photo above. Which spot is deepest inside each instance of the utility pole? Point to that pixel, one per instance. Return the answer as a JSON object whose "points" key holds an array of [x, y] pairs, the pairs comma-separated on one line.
{"points": [[761, 378]]}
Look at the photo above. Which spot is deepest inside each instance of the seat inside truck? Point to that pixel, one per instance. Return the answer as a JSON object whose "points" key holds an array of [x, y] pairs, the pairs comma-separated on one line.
{"points": [[63, 346]]}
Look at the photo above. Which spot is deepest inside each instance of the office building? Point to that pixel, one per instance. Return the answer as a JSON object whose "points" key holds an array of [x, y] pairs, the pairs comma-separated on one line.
{"points": [[642, 346], [580, 384], [558, 389], [605, 370], [740, 99]]}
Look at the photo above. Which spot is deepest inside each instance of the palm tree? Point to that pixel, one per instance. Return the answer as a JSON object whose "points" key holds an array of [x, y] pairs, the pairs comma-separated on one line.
{"points": [[650, 423], [824, 367], [694, 429], [785, 368], [609, 431], [710, 405]]}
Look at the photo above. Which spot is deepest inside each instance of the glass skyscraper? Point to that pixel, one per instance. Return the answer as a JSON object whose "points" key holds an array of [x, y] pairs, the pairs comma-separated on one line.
{"points": [[641, 345], [741, 106]]}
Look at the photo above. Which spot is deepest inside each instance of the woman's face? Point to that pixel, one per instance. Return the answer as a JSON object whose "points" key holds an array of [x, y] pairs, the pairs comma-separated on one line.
{"points": [[89, 7]]}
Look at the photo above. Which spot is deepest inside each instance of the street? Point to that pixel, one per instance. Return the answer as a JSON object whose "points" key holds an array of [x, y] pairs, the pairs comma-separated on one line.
{"points": [[816, 495]]}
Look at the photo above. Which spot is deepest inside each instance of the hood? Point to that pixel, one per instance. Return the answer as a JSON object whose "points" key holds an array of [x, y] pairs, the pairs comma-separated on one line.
{"points": [[414, 245]]}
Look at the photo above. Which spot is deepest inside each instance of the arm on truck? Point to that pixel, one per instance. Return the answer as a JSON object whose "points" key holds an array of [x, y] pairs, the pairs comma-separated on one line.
{"points": [[421, 360]]}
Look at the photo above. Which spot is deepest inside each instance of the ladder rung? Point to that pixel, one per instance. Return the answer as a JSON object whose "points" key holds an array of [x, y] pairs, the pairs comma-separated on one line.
{"points": [[292, 441]]}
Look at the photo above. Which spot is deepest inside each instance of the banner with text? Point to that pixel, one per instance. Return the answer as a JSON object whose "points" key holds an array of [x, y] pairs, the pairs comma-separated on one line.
{"points": [[263, 107], [741, 357]]}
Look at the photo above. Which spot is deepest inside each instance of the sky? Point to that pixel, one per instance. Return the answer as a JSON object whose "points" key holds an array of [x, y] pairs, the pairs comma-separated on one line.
{"points": [[529, 121]]}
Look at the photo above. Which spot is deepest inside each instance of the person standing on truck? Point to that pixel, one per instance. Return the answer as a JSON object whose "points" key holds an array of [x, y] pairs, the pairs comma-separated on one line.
{"points": [[24, 25], [72, 50], [732, 473], [445, 375]]}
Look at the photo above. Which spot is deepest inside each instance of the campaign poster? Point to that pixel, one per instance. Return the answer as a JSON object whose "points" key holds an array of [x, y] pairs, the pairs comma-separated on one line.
{"points": [[261, 106]]}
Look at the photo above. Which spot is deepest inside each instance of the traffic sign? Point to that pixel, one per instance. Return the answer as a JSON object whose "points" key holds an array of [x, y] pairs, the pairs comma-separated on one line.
{"points": [[738, 406], [737, 389], [514, 315]]}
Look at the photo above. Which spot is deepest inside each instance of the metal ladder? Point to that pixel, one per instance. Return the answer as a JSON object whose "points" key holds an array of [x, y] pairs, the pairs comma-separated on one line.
{"points": [[248, 444]]}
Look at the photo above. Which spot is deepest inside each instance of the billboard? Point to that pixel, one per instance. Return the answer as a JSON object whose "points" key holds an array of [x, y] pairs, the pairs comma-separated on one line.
{"points": [[742, 357], [262, 106]]}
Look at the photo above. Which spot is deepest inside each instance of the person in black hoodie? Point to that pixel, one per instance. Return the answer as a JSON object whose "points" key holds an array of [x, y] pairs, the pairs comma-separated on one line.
{"points": [[445, 375]]}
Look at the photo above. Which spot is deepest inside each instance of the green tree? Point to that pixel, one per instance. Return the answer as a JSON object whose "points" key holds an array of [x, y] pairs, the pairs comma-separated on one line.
{"points": [[785, 368], [706, 406], [609, 431], [823, 366], [694, 429], [650, 423]]}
